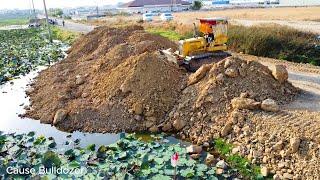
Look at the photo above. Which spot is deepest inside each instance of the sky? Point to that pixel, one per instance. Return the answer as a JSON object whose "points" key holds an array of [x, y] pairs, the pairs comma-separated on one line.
{"points": [[26, 4]]}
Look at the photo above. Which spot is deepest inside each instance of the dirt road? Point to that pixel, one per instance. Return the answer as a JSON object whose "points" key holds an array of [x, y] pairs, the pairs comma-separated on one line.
{"points": [[71, 26], [77, 27], [304, 76]]}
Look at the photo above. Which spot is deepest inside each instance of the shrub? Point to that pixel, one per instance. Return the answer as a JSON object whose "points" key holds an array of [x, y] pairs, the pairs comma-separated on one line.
{"points": [[64, 35], [275, 42], [197, 5]]}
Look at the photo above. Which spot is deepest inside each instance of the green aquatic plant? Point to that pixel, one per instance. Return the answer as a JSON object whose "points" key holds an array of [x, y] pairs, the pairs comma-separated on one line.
{"points": [[128, 158], [23, 50]]}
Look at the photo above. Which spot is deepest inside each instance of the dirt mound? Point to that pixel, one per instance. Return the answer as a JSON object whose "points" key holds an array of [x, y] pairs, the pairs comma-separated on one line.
{"points": [[207, 104], [113, 80]]}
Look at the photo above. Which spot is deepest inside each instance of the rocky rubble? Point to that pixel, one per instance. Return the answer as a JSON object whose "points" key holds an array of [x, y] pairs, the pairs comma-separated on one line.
{"points": [[209, 106]]}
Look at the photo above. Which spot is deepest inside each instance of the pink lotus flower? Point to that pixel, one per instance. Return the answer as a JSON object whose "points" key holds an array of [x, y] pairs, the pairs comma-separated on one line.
{"points": [[174, 159]]}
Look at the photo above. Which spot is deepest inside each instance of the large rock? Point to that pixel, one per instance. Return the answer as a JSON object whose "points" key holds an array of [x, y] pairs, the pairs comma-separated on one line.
{"points": [[60, 115], [178, 124], [295, 143], [278, 146], [210, 159], [220, 78], [137, 108], [244, 103], [232, 72], [280, 73], [154, 129], [226, 129], [287, 176], [264, 171], [222, 164], [194, 149], [167, 127], [270, 105], [79, 80], [228, 62], [199, 74]]}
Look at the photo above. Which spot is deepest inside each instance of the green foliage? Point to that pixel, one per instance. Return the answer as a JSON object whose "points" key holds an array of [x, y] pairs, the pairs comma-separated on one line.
{"points": [[23, 50], [129, 158], [39, 140], [55, 12], [236, 161], [91, 147], [13, 21], [197, 5], [223, 147], [275, 42], [170, 34], [51, 159], [63, 35]]}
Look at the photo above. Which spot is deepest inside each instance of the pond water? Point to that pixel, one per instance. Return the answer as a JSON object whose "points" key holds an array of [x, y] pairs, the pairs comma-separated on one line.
{"points": [[12, 101]]}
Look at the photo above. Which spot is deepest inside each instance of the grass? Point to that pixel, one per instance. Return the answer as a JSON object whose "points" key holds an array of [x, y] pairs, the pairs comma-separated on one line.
{"points": [[16, 21], [275, 41], [64, 35], [170, 34], [236, 161]]}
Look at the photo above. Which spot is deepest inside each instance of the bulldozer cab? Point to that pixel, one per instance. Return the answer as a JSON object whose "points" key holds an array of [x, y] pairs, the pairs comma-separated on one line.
{"points": [[215, 29]]}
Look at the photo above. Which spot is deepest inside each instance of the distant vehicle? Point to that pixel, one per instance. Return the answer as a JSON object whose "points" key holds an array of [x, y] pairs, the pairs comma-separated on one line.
{"points": [[147, 17], [33, 23], [155, 13], [166, 17], [52, 22]]}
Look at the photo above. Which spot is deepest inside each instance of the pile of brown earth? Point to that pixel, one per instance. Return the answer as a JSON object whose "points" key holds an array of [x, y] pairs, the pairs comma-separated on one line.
{"points": [[210, 105], [114, 79]]}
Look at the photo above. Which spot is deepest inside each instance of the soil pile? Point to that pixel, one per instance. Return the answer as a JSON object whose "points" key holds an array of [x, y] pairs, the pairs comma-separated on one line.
{"points": [[209, 107], [113, 80]]}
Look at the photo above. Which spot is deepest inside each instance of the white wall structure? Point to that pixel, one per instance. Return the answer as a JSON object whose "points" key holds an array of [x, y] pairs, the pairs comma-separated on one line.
{"points": [[300, 3], [246, 1], [155, 8]]}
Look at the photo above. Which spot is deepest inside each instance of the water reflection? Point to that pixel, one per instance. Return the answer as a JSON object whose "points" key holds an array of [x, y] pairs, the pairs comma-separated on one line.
{"points": [[12, 102]]}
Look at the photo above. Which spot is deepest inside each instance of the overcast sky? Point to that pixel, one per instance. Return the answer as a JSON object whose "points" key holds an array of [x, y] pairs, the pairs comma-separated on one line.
{"points": [[26, 4]]}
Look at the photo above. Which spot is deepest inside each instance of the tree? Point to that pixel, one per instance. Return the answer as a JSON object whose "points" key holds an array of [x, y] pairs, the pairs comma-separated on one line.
{"points": [[56, 12], [197, 5]]}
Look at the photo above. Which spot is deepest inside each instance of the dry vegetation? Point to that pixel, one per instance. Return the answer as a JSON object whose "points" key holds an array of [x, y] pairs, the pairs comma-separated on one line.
{"points": [[297, 14], [290, 14]]}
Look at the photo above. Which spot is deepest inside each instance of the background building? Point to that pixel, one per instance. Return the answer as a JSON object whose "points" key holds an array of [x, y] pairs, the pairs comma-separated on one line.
{"points": [[300, 3], [142, 6]]}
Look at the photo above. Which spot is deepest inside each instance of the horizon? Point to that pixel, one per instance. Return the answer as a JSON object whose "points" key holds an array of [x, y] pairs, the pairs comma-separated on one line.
{"points": [[27, 4]]}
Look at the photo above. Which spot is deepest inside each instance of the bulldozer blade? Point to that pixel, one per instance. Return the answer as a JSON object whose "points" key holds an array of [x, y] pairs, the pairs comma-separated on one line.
{"points": [[169, 55], [207, 55], [193, 63]]}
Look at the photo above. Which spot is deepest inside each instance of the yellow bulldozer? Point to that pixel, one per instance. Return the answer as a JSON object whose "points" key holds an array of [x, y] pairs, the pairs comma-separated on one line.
{"points": [[208, 45]]}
